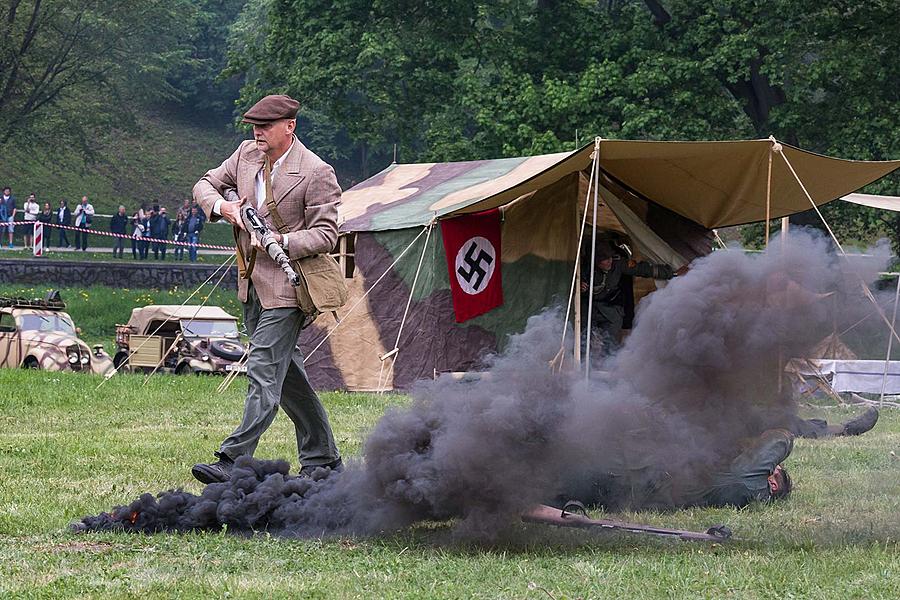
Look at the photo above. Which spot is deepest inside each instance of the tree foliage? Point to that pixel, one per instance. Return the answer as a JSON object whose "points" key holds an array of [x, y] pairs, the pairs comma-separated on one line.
{"points": [[469, 78], [70, 66]]}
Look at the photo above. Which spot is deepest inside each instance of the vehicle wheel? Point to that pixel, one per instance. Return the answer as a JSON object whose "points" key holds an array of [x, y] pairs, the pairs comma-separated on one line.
{"points": [[31, 363], [121, 357], [183, 369], [227, 350]]}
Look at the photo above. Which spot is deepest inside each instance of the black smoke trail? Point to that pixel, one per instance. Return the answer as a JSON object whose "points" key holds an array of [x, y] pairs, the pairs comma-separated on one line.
{"points": [[700, 372]]}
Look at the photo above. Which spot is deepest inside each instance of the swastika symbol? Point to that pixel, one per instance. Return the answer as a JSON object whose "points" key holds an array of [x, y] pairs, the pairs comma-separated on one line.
{"points": [[475, 264]]}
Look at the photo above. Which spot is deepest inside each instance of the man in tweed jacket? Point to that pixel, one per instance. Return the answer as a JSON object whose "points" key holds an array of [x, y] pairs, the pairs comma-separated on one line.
{"points": [[306, 195]]}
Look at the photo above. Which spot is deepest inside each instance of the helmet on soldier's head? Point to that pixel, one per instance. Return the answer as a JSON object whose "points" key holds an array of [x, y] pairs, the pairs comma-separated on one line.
{"points": [[605, 250]]}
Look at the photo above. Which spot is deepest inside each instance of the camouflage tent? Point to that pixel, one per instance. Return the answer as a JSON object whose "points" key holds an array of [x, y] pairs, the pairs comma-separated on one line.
{"points": [[664, 196]]}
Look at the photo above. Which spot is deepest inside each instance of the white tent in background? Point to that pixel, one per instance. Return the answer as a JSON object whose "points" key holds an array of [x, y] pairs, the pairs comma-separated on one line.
{"points": [[872, 201]]}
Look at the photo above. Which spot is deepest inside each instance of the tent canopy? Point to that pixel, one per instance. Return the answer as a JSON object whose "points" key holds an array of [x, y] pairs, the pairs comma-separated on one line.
{"points": [[714, 184]]}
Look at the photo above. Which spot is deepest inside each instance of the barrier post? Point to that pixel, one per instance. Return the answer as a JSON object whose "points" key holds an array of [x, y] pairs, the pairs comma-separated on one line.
{"points": [[38, 247]]}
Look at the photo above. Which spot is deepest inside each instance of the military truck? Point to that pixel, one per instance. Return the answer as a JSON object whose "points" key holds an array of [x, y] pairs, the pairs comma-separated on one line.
{"points": [[181, 340], [40, 334]]}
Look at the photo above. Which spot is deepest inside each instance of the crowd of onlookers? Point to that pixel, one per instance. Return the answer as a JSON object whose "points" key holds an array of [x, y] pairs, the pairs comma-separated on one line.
{"points": [[149, 228]]}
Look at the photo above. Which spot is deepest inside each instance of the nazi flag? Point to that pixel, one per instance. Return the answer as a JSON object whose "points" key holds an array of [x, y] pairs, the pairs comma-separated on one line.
{"points": [[472, 244]]}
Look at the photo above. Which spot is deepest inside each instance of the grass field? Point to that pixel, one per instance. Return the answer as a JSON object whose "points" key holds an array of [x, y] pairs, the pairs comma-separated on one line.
{"points": [[67, 450]]}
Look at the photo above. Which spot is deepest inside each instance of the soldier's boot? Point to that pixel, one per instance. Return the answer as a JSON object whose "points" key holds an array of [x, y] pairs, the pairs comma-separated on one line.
{"points": [[860, 424], [217, 472]]}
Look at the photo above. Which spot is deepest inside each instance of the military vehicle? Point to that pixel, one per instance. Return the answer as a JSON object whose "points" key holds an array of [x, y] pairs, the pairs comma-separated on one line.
{"points": [[180, 339], [39, 334]]}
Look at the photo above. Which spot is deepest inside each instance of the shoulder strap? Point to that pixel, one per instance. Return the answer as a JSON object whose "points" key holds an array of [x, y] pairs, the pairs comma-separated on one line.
{"points": [[270, 200]]}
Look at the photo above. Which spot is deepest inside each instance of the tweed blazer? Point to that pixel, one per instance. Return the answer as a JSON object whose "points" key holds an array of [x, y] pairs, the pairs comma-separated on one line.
{"points": [[307, 195]]}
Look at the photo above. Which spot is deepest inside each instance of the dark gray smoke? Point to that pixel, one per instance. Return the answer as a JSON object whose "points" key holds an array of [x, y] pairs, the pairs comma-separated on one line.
{"points": [[699, 373]]}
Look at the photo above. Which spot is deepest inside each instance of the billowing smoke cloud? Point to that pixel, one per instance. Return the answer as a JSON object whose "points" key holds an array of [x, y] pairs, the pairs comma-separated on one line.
{"points": [[699, 373]]}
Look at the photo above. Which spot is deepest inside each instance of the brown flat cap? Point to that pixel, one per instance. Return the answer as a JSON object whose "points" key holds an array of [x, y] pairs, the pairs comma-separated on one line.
{"points": [[272, 108]]}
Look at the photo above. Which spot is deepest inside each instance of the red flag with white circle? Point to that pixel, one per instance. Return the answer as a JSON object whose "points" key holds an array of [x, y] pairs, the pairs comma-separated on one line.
{"points": [[472, 245]]}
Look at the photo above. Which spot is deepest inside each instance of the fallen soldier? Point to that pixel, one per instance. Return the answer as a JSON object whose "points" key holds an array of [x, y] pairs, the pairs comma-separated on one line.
{"points": [[755, 475]]}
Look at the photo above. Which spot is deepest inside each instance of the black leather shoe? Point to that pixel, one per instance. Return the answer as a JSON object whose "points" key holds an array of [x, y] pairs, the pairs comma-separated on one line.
{"points": [[217, 472], [335, 467], [862, 423]]}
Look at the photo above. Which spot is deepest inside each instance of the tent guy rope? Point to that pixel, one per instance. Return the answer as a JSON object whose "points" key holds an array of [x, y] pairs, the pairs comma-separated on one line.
{"points": [[395, 351], [225, 264]]}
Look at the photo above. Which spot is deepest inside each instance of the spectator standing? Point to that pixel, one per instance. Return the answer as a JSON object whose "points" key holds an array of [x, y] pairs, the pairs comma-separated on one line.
{"points": [[84, 214], [8, 213], [119, 225], [46, 217], [194, 227], [159, 230], [31, 209], [144, 244], [63, 217], [137, 233], [185, 211], [199, 210], [179, 234]]}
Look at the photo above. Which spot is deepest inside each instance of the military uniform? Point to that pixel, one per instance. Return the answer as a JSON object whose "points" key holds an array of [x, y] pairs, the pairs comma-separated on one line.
{"points": [[610, 295], [737, 483]]}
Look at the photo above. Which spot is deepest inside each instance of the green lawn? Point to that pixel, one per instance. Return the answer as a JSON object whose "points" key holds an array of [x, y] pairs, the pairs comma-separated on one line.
{"points": [[67, 450]]}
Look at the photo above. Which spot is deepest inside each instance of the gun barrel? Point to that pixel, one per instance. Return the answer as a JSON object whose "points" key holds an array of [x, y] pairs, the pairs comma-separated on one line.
{"points": [[253, 222]]}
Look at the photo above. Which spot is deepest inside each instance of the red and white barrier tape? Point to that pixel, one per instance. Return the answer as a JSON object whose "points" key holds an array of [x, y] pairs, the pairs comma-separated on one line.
{"points": [[119, 235]]}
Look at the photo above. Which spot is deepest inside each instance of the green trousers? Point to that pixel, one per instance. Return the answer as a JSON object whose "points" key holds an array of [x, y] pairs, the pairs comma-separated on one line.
{"points": [[277, 378]]}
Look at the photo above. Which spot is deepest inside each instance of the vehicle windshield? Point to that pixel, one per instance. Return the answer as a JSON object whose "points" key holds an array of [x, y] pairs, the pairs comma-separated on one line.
{"points": [[198, 328], [55, 323]]}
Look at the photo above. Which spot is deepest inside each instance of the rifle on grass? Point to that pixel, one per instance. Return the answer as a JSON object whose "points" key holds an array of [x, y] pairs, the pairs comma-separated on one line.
{"points": [[548, 515]]}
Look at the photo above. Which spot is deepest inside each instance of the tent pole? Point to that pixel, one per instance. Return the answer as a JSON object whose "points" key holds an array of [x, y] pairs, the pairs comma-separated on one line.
{"points": [[558, 360], [769, 193], [576, 298], [590, 311], [887, 358]]}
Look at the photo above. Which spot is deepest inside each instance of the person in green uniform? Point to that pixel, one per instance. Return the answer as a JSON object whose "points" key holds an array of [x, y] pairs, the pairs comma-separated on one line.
{"points": [[756, 474], [611, 290]]}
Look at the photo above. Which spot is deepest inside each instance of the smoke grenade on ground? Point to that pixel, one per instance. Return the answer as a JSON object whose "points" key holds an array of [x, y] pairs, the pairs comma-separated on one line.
{"points": [[700, 372]]}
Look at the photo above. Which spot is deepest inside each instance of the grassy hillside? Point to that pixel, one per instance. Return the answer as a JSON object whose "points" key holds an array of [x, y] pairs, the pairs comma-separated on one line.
{"points": [[158, 160]]}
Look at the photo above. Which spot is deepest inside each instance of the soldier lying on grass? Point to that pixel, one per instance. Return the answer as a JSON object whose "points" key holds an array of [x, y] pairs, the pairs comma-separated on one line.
{"points": [[755, 474]]}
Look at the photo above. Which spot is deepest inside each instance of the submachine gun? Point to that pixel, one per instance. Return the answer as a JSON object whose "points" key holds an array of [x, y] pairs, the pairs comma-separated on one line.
{"points": [[254, 223]]}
